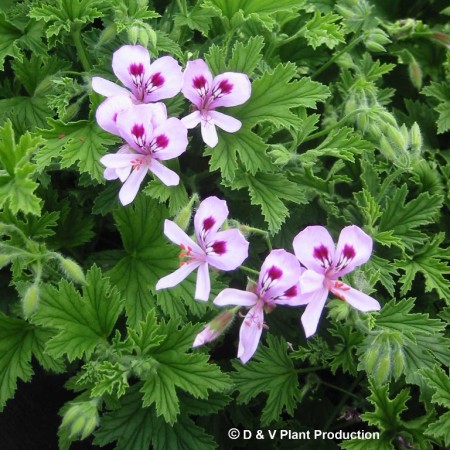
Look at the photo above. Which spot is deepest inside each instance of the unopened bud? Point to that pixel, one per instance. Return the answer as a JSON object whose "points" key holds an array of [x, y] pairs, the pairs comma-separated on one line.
{"points": [[73, 270], [415, 137], [30, 300], [442, 38], [415, 74], [133, 34], [280, 155], [215, 328], [107, 35], [81, 418], [183, 218], [71, 112]]}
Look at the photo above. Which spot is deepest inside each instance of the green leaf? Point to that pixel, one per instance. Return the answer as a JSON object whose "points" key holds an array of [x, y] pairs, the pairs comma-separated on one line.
{"points": [[439, 381], [248, 145], [146, 258], [245, 57], [441, 429], [271, 371], [322, 29], [387, 412], [135, 427], [16, 341], [274, 95], [267, 191], [81, 143], [83, 321], [428, 260], [441, 92], [65, 15], [403, 217], [198, 18], [176, 195], [9, 36], [175, 368], [17, 186], [260, 9]]}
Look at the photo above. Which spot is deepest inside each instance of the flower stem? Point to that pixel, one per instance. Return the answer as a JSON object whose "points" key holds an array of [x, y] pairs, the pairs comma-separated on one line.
{"points": [[249, 270], [310, 369], [261, 232], [76, 36], [348, 47]]}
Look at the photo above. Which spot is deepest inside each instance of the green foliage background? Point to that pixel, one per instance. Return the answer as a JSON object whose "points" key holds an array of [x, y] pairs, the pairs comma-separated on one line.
{"points": [[348, 123]]}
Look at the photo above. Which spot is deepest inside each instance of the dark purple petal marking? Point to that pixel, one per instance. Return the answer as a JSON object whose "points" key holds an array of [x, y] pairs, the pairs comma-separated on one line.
{"points": [[200, 84], [321, 253], [291, 292], [138, 132], [270, 277], [223, 88], [208, 223], [162, 141], [154, 82], [219, 247], [136, 69], [274, 273], [347, 255]]}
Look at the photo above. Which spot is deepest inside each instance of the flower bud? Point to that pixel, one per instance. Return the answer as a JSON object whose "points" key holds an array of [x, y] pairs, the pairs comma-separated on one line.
{"points": [[280, 155], [442, 38], [183, 218], [73, 270], [215, 328], [81, 418], [133, 34], [415, 137], [30, 300], [107, 35], [71, 112], [415, 74]]}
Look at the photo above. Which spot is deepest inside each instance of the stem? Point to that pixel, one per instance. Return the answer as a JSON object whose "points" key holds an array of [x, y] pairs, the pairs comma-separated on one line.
{"points": [[348, 47], [311, 369], [182, 6], [337, 388], [339, 406], [261, 232], [322, 133], [76, 36], [388, 180], [249, 270]]}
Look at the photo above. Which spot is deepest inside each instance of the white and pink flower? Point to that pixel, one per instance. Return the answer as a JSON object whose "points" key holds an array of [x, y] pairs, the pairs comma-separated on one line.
{"points": [[150, 138], [278, 284], [314, 247], [224, 250], [208, 93], [145, 82]]}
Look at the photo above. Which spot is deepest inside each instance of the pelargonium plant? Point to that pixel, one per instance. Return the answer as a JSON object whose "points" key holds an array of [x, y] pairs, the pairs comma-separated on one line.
{"points": [[174, 176]]}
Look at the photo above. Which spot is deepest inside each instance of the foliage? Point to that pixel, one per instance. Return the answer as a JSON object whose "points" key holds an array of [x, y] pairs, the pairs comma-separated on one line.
{"points": [[347, 123]]}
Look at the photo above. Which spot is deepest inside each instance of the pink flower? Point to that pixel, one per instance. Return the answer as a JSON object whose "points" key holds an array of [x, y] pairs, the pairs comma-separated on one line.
{"points": [[315, 249], [277, 285], [146, 82], [150, 137], [224, 250], [208, 93]]}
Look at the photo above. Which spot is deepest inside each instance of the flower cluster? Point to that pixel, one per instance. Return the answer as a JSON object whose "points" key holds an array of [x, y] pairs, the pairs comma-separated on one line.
{"points": [[135, 113], [303, 279]]}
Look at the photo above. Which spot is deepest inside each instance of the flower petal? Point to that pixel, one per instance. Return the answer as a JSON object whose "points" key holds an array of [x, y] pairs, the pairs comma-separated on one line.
{"points": [[226, 249], [314, 248], [279, 272], [225, 122], [176, 277], [167, 176], [209, 132], [356, 298], [353, 249], [203, 286], [231, 89], [131, 186], [135, 126], [197, 81], [192, 120], [210, 216], [107, 112], [164, 79], [250, 332], [121, 173], [178, 236], [230, 296], [118, 160], [205, 336], [159, 114], [131, 64], [311, 281], [310, 318], [172, 139], [108, 88]]}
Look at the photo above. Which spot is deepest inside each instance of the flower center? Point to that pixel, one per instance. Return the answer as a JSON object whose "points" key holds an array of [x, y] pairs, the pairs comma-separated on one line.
{"points": [[137, 163], [338, 288], [185, 254]]}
